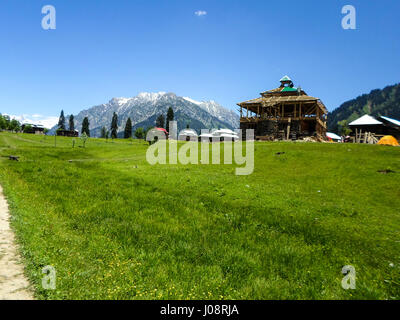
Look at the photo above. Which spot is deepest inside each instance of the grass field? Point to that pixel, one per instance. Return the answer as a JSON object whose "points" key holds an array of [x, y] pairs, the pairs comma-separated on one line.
{"points": [[115, 227]]}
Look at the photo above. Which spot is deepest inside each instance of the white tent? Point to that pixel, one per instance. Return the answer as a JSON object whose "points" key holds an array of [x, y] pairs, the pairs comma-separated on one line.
{"points": [[225, 134], [188, 134], [206, 137]]}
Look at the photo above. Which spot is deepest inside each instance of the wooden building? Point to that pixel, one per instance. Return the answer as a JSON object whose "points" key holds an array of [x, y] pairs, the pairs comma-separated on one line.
{"points": [[32, 128], [284, 113], [368, 129], [67, 133]]}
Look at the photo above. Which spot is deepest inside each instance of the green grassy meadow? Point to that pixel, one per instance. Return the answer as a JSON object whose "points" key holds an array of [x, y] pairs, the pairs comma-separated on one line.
{"points": [[115, 227]]}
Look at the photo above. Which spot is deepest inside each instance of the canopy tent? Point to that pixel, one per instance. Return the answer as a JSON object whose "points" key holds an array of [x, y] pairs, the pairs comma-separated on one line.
{"points": [[225, 134], [333, 136], [188, 134], [220, 135]]}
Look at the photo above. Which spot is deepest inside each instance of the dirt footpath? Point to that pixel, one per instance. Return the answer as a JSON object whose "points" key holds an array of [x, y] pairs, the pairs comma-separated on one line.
{"points": [[13, 283]]}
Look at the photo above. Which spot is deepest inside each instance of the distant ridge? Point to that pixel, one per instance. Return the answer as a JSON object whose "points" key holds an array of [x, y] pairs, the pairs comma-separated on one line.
{"points": [[385, 102]]}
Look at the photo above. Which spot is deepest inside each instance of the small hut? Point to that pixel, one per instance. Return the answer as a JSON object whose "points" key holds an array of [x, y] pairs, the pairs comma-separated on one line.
{"points": [[32, 128], [284, 113], [67, 133], [225, 135], [368, 126], [155, 134]]}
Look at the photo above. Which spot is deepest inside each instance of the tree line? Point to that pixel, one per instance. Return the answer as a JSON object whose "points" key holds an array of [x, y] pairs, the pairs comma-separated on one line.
{"points": [[379, 102], [13, 125], [112, 132], [162, 122], [140, 133], [7, 124]]}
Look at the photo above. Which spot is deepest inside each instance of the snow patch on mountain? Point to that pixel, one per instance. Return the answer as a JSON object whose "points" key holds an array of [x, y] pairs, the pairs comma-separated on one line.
{"points": [[192, 101]]}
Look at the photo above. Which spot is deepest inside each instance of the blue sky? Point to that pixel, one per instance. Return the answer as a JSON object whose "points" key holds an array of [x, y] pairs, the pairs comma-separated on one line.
{"points": [[103, 49]]}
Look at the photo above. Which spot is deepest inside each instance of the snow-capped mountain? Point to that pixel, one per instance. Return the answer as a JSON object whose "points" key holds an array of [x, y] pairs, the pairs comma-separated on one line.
{"points": [[146, 107], [218, 111]]}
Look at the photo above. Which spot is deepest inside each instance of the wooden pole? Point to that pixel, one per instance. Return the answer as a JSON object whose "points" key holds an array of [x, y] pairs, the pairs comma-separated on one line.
{"points": [[288, 129], [300, 111]]}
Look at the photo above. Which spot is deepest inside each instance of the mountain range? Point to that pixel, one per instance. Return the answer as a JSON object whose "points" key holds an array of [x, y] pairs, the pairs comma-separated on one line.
{"points": [[379, 102], [146, 107]]}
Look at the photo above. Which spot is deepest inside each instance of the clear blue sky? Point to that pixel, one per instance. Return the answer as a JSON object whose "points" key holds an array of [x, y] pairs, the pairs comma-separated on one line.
{"points": [[103, 49]]}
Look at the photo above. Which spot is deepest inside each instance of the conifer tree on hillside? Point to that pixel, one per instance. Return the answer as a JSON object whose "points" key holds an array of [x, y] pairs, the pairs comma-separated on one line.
{"points": [[128, 129], [170, 117], [114, 126], [61, 121], [71, 123], [84, 138], [103, 133], [85, 126], [160, 121]]}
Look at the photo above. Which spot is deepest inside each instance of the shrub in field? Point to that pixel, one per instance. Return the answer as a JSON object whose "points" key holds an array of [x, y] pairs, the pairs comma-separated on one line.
{"points": [[28, 129], [84, 138], [140, 133]]}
